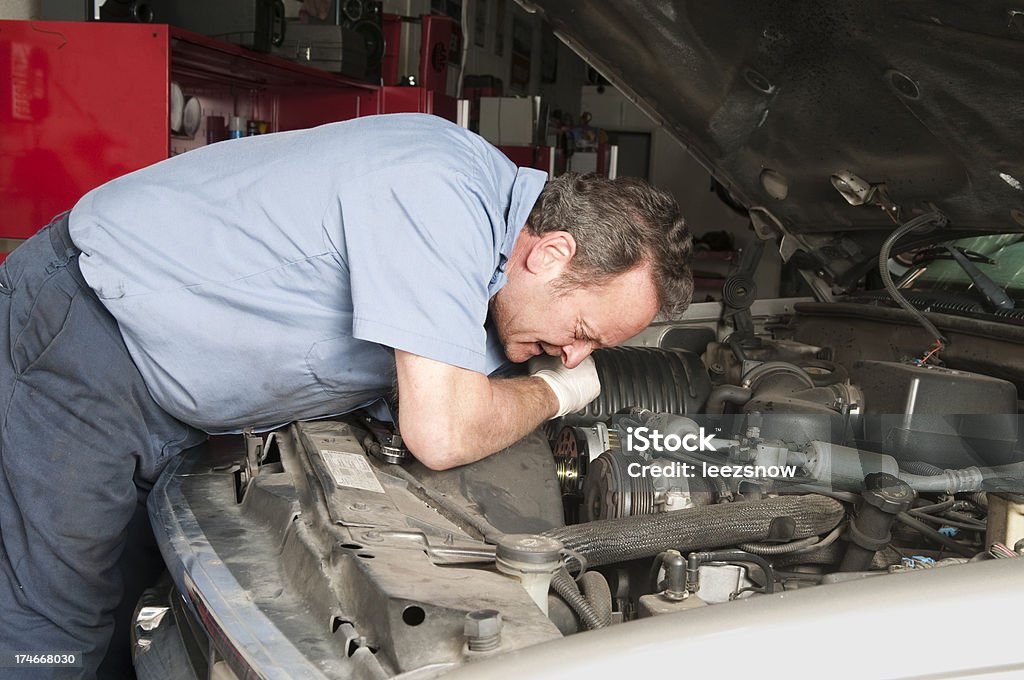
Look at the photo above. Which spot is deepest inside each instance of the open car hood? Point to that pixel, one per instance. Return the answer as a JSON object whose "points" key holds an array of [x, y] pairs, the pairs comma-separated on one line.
{"points": [[922, 100]]}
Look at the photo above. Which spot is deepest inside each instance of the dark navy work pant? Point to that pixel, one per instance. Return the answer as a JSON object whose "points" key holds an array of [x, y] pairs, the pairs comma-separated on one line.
{"points": [[81, 441]]}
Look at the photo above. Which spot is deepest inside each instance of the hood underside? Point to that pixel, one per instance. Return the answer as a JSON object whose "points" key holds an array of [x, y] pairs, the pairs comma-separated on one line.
{"points": [[775, 97]]}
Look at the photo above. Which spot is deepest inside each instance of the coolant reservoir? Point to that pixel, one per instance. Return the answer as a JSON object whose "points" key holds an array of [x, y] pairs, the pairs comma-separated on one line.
{"points": [[1005, 519], [531, 560]]}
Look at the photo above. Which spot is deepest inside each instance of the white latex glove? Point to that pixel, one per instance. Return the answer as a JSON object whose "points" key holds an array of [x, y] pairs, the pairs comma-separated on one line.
{"points": [[574, 387]]}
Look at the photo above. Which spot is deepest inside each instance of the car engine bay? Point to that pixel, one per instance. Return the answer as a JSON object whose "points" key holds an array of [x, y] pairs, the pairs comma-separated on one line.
{"points": [[715, 469]]}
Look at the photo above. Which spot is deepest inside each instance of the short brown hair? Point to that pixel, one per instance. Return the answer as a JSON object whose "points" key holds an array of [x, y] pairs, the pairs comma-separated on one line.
{"points": [[619, 224]]}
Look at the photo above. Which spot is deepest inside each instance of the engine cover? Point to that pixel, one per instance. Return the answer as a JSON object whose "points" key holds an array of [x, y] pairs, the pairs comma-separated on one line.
{"points": [[948, 418]]}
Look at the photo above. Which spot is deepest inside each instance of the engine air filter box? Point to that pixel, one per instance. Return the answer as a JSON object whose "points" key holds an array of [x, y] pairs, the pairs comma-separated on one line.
{"points": [[951, 419]]}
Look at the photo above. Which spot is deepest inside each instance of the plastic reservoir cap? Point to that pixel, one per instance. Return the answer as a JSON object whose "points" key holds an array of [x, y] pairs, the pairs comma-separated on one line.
{"points": [[888, 493], [529, 548]]}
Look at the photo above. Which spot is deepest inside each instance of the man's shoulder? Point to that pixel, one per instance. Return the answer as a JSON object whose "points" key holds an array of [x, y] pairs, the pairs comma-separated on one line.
{"points": [[422, 138]]}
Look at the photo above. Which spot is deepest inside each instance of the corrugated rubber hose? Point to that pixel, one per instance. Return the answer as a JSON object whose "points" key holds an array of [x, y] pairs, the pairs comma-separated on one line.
{"points": [[938, 220], [595, 589], [567, 589], [920, 467], [716, 526]]}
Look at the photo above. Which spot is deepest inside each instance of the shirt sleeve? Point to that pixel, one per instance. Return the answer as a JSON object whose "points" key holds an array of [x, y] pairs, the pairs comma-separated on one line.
{"points": [[420, 249]]}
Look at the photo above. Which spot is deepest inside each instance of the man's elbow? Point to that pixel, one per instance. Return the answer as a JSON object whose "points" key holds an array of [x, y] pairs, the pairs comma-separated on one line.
{"points": [[436, 449], [437, 459]]}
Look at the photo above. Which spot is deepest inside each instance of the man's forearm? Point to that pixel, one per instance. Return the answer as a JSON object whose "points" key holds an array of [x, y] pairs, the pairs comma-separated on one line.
{"points": [[508, 410], [517, 407], [451, 416]]}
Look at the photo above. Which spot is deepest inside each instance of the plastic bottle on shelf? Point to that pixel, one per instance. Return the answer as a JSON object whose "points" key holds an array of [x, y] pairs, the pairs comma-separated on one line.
{"points": [[237, 127]]}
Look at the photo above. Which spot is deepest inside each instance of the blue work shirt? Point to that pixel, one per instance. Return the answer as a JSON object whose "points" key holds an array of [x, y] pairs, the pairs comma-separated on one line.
{"points": [[268, 279]]}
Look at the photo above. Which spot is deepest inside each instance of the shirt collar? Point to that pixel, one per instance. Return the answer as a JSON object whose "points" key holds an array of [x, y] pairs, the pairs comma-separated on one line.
{"points": [[525, 190]]}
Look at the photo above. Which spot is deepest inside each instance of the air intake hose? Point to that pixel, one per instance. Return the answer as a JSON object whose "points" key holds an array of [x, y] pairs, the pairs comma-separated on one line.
{"points": [[662, 380], [716, 526]]}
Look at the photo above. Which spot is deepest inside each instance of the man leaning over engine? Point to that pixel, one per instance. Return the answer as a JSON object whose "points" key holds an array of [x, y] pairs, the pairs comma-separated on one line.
{"points": [[293, 276]]}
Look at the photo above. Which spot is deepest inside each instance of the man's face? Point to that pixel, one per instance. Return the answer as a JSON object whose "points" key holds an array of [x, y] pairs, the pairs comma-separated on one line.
{"points": [[534, 317]]}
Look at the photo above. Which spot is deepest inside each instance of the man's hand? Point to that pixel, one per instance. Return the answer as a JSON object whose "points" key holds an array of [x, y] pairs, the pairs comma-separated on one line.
{"points": [[574, 387], [450, 416]]}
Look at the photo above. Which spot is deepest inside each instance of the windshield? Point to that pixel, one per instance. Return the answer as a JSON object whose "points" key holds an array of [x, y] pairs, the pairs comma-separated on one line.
{"points": [[998, 256]]}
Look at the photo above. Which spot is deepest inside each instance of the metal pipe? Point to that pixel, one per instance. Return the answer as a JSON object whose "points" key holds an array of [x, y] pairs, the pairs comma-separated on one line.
{"points": [[726, 394]]}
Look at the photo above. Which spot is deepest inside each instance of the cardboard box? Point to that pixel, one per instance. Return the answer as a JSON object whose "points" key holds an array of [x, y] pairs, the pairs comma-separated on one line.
{"points": [[509, 121]]}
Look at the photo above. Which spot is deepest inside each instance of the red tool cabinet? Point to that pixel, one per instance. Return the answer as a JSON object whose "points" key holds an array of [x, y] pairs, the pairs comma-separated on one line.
{"points": [[84, 102]]}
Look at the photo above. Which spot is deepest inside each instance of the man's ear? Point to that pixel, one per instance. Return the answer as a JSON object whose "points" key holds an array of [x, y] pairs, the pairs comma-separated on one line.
{"points": [[551, 253]]}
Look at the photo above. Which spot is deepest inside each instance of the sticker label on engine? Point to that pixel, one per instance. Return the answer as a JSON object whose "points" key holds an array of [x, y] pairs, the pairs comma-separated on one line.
{"points": [[351, 470]]}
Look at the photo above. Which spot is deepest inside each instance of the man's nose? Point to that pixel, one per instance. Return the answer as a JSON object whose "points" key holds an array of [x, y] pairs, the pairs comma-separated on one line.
{"points": [[574, 354]]}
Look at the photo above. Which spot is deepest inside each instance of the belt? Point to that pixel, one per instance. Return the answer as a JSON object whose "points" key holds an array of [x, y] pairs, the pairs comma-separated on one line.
{"points": [[66, 251]]}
